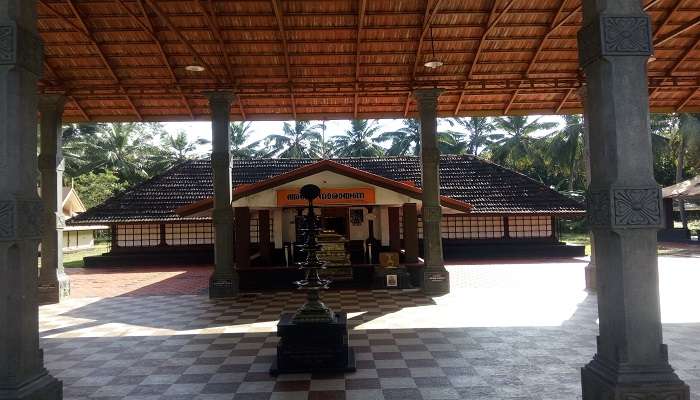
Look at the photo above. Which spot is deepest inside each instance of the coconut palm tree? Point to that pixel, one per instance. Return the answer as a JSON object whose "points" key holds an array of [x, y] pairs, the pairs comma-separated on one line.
{"points": [[124, 148], [479, 133], [239, 134], [358, 140], [514, 147], [406, 140], [178, 147], [566, 147], [301, 140]]}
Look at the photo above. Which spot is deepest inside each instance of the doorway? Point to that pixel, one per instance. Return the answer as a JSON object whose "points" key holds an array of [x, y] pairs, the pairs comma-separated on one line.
{"points": [[335, 219]]}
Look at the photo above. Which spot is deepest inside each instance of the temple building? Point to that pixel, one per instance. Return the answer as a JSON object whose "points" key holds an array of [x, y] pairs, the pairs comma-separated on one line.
{"points": [[368, 204]]}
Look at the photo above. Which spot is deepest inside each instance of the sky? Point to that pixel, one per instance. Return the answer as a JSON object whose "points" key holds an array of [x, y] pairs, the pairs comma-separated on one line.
{"points": [[260, 129]]}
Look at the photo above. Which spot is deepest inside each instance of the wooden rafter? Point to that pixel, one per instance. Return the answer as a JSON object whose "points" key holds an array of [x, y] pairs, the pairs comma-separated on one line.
{"points": [[677, 64], [678, 31], [83, 29], [666, 19], [148, 28], [491, 22], [427, 20], [360, 25], [556, 23], [563, 101], [55, 78], [287, 64], [687, 99], [651, 4], [210, 16], [553, 26], [161, 14], [406, 104]]}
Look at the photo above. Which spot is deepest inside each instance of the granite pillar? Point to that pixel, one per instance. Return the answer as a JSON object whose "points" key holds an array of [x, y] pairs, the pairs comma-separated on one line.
{"points": [[436, 279], [590, 269], [22, 372], [54, 284], [224, 280], [624, 208]]}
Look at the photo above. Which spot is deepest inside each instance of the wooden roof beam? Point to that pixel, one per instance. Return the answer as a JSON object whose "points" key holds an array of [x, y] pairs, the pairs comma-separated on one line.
{"points": [[678, 31], [666, 19], [687, 100], [556, 23], [148, 27], [83, 29], [563, 101], [216, 31], [360, 24], [490, 24], [164, 17], [677, 64], [287, 64]]}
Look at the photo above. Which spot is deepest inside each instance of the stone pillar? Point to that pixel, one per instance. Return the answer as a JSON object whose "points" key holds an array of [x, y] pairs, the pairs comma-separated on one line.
{"points": [[624, 208], [22, 372], [224, 280], [590, 270], [394, 229], [436, 279], [53, 281], [242, 236], [410, 232]]}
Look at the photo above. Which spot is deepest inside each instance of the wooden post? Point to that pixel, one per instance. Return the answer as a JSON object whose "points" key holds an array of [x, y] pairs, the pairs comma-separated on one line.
{"points": [[264, 236], [394, 229], [410, 232], [241, 217]]}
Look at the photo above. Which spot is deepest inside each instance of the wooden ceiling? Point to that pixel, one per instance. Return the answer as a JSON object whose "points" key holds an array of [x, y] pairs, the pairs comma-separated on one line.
{"points": [[124, 60]]}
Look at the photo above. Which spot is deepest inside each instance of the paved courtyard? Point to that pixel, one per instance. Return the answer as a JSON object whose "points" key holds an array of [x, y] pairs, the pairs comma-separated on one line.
{"points": [[516, 330]]}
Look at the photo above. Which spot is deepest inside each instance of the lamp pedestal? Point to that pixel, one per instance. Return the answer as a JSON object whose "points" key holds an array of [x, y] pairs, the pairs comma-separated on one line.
{"points": [[314, 339]]}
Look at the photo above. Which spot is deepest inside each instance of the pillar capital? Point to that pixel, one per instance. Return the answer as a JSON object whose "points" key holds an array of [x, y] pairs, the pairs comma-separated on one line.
{"points": [[608, 35], [20, 47], [52, 102], [220, 97], [427, 97]]}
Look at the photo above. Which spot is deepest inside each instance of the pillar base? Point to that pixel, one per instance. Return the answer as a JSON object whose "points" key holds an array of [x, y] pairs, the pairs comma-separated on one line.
{"points": [[45, 387], [436, 281], [53, 293], [591, 277], [223, 286], [601, 382]]}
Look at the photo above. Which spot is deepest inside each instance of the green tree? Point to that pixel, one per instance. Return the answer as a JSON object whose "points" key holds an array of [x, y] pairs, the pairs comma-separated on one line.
{"points": [[358, 140], [178, 147], [125, 148], [479, 133], [239, 135], [515, 147], [95, 188], [301, 140], [406, 140], [566, 147]]}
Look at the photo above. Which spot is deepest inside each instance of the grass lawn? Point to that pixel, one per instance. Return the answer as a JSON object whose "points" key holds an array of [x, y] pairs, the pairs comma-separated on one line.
{"points": [[75, 260], [581, 239]]}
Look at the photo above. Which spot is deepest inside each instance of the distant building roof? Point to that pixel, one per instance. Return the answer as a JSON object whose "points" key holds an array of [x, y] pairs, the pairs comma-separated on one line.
{"points": [[689, 190], [487, 187]]}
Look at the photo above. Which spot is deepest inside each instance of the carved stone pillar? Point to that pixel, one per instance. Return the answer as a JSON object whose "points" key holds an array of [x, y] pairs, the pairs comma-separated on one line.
{"points": [[22, 372], [436, 279], [224, 280], [624, 208], [53, 281], [590, 270]]}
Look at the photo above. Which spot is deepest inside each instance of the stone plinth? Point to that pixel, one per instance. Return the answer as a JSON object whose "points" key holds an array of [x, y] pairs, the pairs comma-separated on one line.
{"points": [[313, 347]]}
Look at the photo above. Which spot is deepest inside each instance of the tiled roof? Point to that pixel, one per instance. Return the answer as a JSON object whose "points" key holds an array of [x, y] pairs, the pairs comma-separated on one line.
{"points": [[489, 188]]}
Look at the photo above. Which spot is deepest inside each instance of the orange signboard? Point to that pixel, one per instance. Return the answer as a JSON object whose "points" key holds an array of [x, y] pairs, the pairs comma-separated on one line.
{"points": [[329, 196]]}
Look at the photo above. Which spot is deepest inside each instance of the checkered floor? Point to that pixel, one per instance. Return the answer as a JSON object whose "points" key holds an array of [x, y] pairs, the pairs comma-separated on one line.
{"points": [[505, 340]]}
